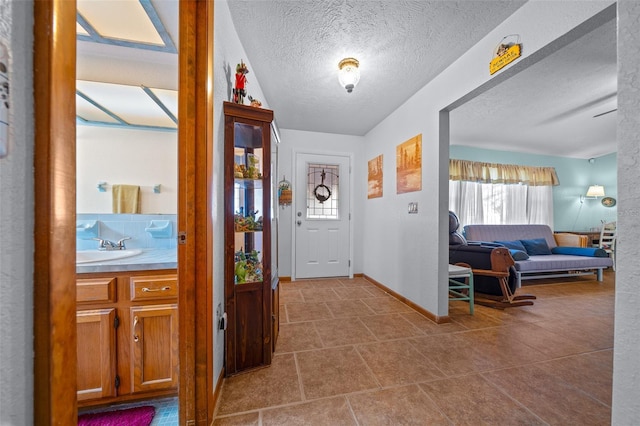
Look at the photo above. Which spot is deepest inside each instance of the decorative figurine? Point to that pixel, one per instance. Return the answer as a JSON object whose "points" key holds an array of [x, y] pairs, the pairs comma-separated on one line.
{"points": [[254, 102], [239, 92]]}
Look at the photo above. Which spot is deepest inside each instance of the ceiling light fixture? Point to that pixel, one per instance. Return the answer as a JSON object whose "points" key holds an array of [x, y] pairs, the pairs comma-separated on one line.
{"points": [[349, 74]]}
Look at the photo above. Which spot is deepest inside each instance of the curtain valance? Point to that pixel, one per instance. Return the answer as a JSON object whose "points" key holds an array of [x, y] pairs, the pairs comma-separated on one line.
{"points": [[474, 171]]}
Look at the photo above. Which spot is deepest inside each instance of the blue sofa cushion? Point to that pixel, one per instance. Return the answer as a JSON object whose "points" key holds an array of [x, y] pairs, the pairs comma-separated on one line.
{"points": [[519, 254], [513, 245], [580, 251], [536, 247]]}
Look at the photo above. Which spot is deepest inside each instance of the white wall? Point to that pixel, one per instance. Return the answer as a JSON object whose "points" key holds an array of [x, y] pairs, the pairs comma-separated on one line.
{"points": [[626, 368], [228, 52], [16, 222], [326, 143], [410, 257], [126, 156]]}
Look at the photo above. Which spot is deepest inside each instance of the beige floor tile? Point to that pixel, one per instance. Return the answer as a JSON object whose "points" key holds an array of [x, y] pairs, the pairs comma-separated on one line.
{"points": [[340, 332], [550, 362], [391, 326], [551, 344], [318, 294], [429, 327], [290, 296], [397, 406], [452, 354], [549, 397], [349, 308], [318, 284], [594, 333], [251, 419], [297, 312], [333, 371], [386, 305], [503, 347], [480, 319], [355, 282], [300, 336], [274, 385], [354, 293], [376, 292], [397, 364], [587, 372], [323, 412], [471, 400]]}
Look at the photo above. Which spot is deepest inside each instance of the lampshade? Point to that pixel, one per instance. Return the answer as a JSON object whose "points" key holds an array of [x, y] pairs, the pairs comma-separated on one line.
{"points": [[595, 191], [349, 74]]}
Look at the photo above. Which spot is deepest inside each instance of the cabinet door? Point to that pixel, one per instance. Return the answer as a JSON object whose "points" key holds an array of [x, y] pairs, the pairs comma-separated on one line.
{"points": [[96, 354], [154, 347]]}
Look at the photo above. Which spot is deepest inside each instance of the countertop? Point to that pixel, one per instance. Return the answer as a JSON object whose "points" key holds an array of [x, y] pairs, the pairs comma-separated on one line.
{"points": [[149, 259]]}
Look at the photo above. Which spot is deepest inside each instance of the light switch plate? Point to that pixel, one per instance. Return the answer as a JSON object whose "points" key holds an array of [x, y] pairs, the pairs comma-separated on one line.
{"points": [[413, 208]]}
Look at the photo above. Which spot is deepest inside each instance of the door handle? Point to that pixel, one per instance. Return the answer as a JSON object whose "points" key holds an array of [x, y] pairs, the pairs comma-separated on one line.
{"points": [[299, 222]]}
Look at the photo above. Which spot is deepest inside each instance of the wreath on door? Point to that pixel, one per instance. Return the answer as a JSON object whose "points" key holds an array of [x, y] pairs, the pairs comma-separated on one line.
{"points": [[322, 191]]}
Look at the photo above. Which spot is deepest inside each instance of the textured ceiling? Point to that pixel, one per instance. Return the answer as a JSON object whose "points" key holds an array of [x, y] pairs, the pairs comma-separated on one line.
{"points": [[295, 46], [549, 108]]}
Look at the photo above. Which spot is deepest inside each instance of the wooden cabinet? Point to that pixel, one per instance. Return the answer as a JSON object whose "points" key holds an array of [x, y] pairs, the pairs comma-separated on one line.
{"points": [[127, 336], [154, 347], [248, 205], [96, 354]]}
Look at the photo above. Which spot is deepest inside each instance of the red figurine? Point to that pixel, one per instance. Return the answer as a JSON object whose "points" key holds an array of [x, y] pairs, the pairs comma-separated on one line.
{"points": [[239, 91]]}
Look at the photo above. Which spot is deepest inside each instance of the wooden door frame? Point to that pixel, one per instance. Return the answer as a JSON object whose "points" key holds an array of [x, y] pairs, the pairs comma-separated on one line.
{"points": [[55, 338]]}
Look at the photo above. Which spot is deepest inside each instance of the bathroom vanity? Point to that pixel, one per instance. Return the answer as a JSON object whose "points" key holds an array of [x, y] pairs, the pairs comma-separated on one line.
{"points": [[127, 322]]}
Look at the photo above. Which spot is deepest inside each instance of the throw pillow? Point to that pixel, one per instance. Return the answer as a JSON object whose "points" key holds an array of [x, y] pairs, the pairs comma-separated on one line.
{"points": [[536, 247], [514, 245], [518, 254], [580, 251]]}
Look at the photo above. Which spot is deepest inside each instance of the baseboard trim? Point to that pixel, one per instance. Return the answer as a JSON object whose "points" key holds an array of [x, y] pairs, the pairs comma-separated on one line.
{"points": [[288, 279], [435, 318], [217, 391]]}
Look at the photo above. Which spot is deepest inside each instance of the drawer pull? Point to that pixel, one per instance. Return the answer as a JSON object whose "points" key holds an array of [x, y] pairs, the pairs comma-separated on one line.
{"points": [[149, 290], [136, 338]]}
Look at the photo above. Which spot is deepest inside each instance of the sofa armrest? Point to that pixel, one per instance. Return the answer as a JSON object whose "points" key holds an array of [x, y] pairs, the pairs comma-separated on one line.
{"points": [[566, 239]]}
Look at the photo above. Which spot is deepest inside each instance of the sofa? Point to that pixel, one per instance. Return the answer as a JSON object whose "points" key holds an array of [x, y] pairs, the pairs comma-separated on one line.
{"points": [[542, 257]]}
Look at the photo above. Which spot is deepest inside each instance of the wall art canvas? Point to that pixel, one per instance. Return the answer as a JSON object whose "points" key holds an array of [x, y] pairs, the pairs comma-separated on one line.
{"points": [[409, 165], [375, 178]]}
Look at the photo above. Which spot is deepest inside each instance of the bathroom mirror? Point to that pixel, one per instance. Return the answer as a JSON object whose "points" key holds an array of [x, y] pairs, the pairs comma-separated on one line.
{"points": [[127, 101]]}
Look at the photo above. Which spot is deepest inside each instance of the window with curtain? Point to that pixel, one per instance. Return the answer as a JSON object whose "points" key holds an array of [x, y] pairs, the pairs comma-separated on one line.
{"points": [[488, 193]]}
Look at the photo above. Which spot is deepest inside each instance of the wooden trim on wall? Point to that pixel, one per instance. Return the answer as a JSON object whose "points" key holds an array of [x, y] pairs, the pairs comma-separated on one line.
{"points": [[54, 81], [435, 318], [195, 257]]}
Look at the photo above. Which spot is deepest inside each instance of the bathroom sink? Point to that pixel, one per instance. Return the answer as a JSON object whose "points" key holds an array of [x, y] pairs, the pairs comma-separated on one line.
{"points": [[90, 256]]}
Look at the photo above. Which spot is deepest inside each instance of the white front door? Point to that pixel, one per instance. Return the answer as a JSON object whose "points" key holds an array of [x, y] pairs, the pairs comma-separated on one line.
{"points": [[322, 216]]}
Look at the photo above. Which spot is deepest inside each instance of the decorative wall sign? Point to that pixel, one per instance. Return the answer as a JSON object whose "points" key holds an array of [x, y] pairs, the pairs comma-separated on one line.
{"points": [[375, 178], [608, 201], [505, 53], [409, 165]]}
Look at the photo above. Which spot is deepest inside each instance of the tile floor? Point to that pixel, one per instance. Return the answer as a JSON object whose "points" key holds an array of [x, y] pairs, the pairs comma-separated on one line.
{"points": [[349, 354]]}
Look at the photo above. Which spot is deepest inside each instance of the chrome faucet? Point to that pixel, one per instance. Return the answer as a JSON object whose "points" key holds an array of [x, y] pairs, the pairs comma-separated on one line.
{"points": [[110, 245], [120, 243]]}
